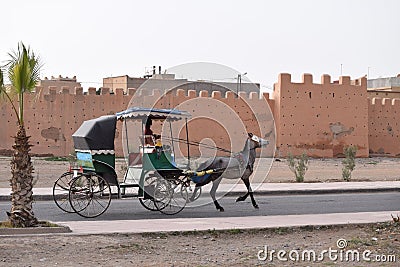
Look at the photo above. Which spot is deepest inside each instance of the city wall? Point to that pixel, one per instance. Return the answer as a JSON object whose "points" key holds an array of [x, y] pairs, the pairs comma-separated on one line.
{"points": [[317, 118], [383, 125], [321, 118], [51, 118]]}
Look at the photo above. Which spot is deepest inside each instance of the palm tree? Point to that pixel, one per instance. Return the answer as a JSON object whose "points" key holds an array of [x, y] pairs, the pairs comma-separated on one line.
{"points": [[23, 69]]}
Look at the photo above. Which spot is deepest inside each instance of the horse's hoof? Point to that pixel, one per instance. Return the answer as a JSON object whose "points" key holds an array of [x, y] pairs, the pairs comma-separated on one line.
{"points": [[240, 199], [256, 206], [221, 209]]}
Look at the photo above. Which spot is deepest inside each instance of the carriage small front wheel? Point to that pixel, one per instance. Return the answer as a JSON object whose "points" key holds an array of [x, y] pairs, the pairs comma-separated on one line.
{"points": [[90, 195], [171, 196]]}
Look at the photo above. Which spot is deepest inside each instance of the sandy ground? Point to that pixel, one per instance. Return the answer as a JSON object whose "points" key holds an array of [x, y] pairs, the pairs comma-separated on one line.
{"points": [[212, 248], [320, 170]]}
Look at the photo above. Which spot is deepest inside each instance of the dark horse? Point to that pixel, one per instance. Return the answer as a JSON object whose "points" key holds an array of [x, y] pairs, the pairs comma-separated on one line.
{"points": [[239, 165]]}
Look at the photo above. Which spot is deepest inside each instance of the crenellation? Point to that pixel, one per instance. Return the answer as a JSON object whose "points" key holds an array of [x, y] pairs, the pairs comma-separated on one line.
{"points": [[243, 95], [78, 91], [375, 100], [254, 96], [325, 79], [396, 102], [203, 93], [284, 78], [180, 93], [386, 101], [192, 93], [307, 79], [119, 91], [229, 95], [344, 80], [216, 95], [92, 91], [363, 81], [104, 90]]}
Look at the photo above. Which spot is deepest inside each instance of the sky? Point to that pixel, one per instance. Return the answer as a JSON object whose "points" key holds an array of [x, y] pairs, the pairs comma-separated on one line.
{"points": [[97, 39]]}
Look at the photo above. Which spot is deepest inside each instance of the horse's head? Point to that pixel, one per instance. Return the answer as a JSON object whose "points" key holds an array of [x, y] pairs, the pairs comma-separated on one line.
{"points": [[256, 142]]}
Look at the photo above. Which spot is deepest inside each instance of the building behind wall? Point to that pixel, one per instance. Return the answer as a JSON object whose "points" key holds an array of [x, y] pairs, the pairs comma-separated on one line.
{"points": [[58, 83], [384, 87], [162, 81]]}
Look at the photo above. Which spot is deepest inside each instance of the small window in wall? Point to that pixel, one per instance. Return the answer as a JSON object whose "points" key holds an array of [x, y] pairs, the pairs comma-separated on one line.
{"points": [[309, 94], [333, 94]]}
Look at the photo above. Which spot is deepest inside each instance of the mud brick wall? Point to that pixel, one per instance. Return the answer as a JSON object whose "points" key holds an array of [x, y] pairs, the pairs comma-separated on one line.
{"points": [[321, 118], [51, 118], [384, 126], [317, 118]]}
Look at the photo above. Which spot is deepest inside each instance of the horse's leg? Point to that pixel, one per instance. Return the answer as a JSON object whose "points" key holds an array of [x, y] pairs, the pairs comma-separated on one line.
{"points": [[245, 177], [193, 196], [213, 191], [246, 181]]}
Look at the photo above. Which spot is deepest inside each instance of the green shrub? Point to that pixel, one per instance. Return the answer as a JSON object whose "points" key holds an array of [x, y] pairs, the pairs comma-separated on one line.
{"points": [[348, 162], [298, 165]]}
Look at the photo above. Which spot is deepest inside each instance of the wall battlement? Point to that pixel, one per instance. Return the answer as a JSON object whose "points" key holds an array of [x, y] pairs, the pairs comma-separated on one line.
{"points": [[307, 80], [54, 90]]}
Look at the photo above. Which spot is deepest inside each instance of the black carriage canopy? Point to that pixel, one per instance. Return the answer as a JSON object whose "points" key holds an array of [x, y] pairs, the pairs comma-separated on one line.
{"points": [[96, 134]]}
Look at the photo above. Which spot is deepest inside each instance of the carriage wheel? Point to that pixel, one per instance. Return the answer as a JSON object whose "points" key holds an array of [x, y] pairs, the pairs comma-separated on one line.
{"points": [[90, 195], [150, 184], [171, 196], [61, 192]]}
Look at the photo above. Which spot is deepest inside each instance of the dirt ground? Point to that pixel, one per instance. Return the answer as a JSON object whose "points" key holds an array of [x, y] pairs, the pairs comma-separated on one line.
{"points": [[320, 170], [212, 248]]}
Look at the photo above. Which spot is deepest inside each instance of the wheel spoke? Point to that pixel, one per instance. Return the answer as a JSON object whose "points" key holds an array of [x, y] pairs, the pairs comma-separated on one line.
{"points": [[91, 197]]}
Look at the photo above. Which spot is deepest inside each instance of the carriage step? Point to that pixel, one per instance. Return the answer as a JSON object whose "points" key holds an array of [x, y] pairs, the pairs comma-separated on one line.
{"points": [[129, 196], [125, 185]]}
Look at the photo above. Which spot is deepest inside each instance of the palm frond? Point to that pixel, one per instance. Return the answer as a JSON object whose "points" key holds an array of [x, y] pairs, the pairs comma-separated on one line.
{"points": [[4, 95], [23, 72]]}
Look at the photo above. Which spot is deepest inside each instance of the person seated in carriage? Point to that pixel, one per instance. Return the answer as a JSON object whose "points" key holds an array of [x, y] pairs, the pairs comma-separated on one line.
{"points": [[151, 139]]}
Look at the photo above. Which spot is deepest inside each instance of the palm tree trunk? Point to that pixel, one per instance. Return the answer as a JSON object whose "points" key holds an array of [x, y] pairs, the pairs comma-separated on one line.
{"points": [[21, 214]]}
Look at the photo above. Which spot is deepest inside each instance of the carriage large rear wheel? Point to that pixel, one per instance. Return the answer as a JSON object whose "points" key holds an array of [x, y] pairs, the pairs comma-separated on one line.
{"points": [[90, 195], [61, 191], [171, 196]]}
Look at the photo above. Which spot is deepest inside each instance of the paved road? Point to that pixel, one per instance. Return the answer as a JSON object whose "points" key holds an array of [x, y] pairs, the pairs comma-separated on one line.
{"points": [[130, 209]]}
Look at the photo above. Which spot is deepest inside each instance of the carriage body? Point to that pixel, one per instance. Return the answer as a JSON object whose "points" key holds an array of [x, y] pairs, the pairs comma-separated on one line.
{"points": [[151, 169]]}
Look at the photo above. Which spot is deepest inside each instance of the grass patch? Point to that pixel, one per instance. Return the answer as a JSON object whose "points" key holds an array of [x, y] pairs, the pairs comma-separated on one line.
{"points": [[372, 162], [359, 242], [56, 159], [7, 224], [234, 231]]}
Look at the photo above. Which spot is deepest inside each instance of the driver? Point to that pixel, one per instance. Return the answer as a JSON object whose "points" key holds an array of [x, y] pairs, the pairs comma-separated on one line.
{"points": [[149, 133]]}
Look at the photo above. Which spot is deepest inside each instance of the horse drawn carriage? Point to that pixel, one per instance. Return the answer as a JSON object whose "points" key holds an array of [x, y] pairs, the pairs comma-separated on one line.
{"points": [[161, 183], [88, 188]]}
